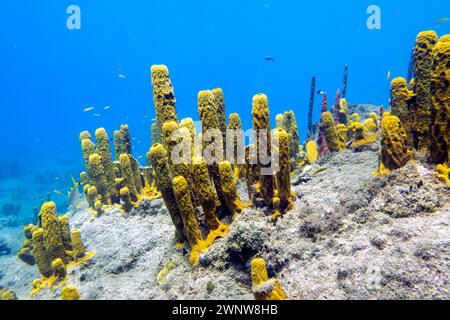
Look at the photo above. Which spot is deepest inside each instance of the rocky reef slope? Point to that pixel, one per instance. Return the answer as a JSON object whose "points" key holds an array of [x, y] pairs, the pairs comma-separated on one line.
{"points": [[351, 236]]}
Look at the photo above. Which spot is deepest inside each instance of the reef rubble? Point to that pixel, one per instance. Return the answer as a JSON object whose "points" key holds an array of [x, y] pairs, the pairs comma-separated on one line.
{"points": [[353, 235]]}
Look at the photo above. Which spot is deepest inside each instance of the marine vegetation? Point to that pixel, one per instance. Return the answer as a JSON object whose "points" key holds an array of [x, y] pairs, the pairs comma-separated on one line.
{"points": [[199, 176], [422, 113], [53, 246]]}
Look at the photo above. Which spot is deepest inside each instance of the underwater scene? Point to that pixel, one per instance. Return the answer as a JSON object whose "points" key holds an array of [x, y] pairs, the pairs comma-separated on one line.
{"points": [[225, 150]]}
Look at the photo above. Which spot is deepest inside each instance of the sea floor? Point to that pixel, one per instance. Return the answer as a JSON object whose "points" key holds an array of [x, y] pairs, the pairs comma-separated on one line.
{"points": [[352, 235]]}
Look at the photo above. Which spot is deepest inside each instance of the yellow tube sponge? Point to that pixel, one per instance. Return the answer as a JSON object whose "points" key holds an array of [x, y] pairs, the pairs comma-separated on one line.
{"points": [[8, 295], [135, 167], [104, 150], [221, 113], [235, 129], [53, 241], [163, 95], [188, 123], [59, 269], [261, 126], [279, 121], [88, 148], [284, 172], [84, 178], [251, 172], [128, 176], [234, 203], [79, 251], [440, 112], [443, 173], [70, 293], [370, 125], [312, 153], [156, 134], [402, 106], [394, 147], [159, 160], [122, 141], [127, 204], [342, 132], [210, 125], [65, 231], [425, 43], [42, 259], [204, 188], [92, 195], [187, 210], [329, 129], [263, 287], [290, 125], [98, 177], [85, 135]]}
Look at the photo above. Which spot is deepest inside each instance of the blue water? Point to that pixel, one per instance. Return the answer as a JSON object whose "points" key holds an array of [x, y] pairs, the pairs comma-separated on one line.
{"points": [[49, 73]]}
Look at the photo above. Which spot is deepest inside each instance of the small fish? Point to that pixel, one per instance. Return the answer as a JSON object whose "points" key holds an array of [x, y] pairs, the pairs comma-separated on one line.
{"points": [[74, 195], [140, 157], [269, 58], [88, 109], [389, 74], [442, 20], [107, 107], [58, 192], [321, 92], [96, 114], [121, 76]]}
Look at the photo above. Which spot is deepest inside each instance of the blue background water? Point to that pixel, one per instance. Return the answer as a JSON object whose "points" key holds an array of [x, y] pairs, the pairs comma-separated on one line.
{"points": [[49, 74]]}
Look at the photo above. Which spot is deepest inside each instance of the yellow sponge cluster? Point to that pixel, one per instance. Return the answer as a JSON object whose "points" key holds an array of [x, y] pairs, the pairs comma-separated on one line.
{"points": [[53, 247], [107, 182]]}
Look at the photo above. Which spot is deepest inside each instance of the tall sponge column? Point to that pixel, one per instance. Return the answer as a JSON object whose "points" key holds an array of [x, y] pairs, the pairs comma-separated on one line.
{"points": [[425, 43], [284, 173], [104, 150], [221, 113], [402, 106], [331, 136], [128, 176], [213, 150], [440, 112], [98, 177], [159, 160], [394, 147], [232, 198], [53, 240], [42, 259], [163, 96], [206, 190], [290, 125], [261, 126], [190, 221]]}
